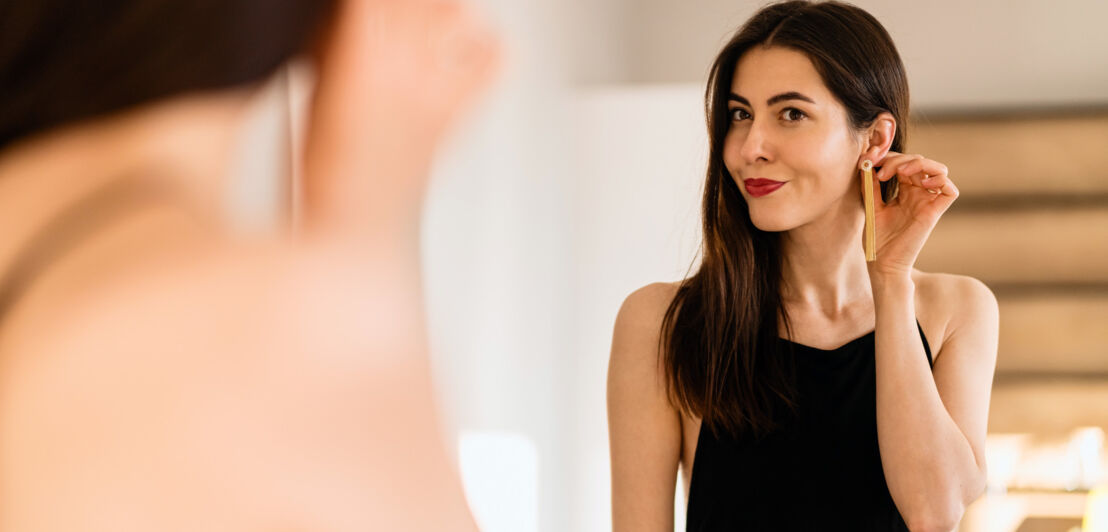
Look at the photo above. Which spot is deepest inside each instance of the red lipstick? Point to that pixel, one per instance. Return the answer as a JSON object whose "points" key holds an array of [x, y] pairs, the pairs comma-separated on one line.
{"points": [[759, 187]]}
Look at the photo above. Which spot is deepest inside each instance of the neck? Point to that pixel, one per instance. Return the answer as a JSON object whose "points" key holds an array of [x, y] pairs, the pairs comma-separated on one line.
{"points": [[824, 268], [188, 143], [189, 139]]}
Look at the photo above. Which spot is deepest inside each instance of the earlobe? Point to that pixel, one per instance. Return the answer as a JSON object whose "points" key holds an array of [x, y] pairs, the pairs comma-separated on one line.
{"points": [[871, 156], [874, 155]]}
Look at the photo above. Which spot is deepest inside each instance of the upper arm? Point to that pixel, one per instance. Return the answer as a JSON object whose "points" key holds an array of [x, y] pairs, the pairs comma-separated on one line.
{"points": [[964, 371], [644, 428]]}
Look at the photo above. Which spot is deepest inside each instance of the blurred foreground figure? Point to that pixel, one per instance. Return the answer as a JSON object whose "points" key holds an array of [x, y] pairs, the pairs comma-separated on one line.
{"points": [[157, 373]]}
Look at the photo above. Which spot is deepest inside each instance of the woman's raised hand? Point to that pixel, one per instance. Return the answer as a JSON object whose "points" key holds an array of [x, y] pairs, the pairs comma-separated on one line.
{"points": [[393, 75], [904, 224]]}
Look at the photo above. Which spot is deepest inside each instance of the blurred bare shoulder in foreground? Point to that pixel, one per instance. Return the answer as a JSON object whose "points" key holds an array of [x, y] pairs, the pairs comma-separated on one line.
{"points": [[225, 392], [159, 373]]}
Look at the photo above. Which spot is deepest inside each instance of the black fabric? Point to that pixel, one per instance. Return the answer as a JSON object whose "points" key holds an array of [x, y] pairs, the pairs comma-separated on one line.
{"points": [[820, 471]]}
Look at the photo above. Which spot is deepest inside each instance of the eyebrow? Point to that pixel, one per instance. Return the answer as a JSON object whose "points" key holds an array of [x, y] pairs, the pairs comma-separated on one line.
{"points": [[784, 96]]}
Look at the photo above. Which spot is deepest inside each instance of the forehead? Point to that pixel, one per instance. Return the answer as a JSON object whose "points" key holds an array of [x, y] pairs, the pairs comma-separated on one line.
{"points": [[764, 72]]}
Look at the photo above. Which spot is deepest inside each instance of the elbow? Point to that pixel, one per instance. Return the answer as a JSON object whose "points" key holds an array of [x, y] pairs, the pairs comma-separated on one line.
{"points": [[936, 522], [936, 517], [943, 518], [946, 517]]}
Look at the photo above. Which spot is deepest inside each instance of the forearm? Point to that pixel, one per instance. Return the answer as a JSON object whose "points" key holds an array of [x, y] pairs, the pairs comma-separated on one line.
{"points": [[928, 462]]}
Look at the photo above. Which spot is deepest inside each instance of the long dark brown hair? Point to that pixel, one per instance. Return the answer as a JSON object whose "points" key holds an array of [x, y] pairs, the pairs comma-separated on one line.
{"points": [[68, 60], [719, 338]]}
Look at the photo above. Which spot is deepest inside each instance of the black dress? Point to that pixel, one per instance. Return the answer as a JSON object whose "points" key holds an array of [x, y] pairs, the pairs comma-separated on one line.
{"points": [[821, 471]]}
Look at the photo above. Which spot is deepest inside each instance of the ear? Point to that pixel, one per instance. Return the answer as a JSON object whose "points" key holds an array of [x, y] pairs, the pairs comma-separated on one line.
{"points": [[878, 138]]}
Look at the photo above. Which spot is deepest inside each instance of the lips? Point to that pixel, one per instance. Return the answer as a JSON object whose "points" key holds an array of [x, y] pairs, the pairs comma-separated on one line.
{"points": [[759, 187]]}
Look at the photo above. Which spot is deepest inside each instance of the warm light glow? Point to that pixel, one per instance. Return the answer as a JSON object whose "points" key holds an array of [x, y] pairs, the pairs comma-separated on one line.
{"points": [[1096, 511]]}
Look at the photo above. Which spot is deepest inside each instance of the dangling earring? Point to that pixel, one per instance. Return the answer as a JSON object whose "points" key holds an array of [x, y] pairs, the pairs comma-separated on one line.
{"points": [[870, 242]]}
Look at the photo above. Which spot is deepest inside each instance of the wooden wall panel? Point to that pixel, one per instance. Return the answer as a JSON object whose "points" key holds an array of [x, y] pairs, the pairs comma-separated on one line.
{"points": [[1054, 333], [1048, 406], [1018, 155], [1022, 246]]}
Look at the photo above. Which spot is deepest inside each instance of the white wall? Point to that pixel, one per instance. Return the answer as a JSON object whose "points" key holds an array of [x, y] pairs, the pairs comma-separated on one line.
{"points": [[958, 54], [640, 156], [498, 254]]}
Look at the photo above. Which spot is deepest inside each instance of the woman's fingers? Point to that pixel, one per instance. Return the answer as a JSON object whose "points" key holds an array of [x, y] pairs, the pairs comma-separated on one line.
{"points": [[393, 76], [923, 165], [887, 166], [941, 184], [929, 179], [910, 168], [891, 164]]}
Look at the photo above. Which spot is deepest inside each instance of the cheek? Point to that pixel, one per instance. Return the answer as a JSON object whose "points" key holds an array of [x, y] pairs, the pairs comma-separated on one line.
{"points": [[828, 157], [732, 146], [818, 147]]}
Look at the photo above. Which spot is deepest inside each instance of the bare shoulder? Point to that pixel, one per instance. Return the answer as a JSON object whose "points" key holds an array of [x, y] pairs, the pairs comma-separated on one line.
{"points": [[952, 295], [952, 303], [635, 353], [218, 300], [642, 310], [287, 353]]}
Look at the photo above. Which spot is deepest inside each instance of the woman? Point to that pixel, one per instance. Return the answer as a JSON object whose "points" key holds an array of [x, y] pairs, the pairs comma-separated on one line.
{"points": [[159, 373], [797, 386]]}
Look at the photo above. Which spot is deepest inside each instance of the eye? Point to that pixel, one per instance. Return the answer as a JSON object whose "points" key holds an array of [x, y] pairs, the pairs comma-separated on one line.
{"points": [[792, 114], [738, 113]]}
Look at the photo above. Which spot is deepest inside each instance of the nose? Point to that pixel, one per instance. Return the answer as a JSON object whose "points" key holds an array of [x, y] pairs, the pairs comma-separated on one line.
{"points": [[755, 147]]}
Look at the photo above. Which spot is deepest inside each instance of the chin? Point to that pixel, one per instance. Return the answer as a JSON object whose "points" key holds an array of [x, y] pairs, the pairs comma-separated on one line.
{"points": [[771, 224]]}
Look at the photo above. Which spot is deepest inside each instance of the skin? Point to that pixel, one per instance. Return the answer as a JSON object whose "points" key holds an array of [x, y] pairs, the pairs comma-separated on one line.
{"points": [[931, 424], [215, 383]]}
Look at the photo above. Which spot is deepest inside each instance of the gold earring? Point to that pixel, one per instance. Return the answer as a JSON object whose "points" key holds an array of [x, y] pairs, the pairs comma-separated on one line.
{"points": [[870, 242]]}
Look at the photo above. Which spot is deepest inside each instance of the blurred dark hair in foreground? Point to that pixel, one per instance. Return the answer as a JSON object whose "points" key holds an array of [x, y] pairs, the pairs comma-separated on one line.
{"points": [[68, 60]]}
